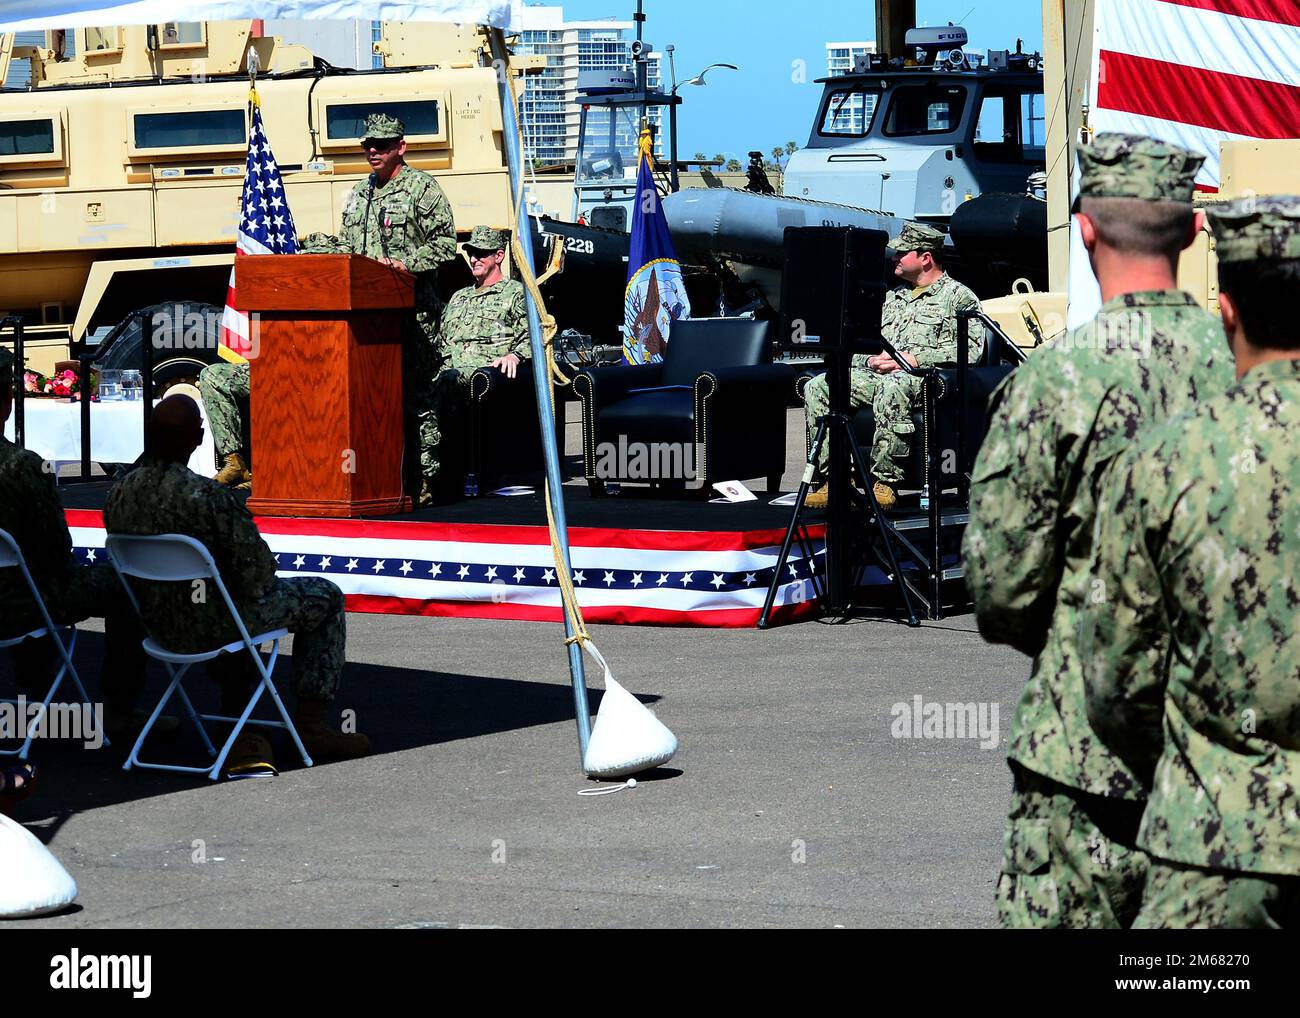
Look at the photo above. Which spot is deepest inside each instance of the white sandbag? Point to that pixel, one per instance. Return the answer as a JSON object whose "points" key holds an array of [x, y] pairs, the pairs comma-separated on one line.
{"points": [[627, 738], [32, 881]]}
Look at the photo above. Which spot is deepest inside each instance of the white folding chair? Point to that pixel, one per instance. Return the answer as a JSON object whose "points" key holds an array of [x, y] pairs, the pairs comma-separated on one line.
{"points": [[11, 557], [175, 558]]}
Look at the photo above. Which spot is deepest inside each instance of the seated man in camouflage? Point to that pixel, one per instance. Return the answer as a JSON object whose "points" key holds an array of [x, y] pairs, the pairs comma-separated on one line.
{"points": [[920, 320], [163, 496], [484, 325], [32, 514]]}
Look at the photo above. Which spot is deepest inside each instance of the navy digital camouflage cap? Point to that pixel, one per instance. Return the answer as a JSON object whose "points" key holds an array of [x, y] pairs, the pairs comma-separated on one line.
{"points": [[917, 237], [1256, 228], [1135, 166], [382, 127], [488, 238]]}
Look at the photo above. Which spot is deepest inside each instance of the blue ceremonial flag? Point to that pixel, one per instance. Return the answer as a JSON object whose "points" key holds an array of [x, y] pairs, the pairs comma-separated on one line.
{"points": [[655, 296], [265, 226]]}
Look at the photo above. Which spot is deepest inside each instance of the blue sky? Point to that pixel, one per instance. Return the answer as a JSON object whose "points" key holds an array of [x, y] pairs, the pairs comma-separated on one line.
{"points": [[760, 106]]}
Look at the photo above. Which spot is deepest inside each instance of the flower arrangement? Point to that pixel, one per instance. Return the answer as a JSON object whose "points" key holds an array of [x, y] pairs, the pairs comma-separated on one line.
{"points": [[63, 384]]}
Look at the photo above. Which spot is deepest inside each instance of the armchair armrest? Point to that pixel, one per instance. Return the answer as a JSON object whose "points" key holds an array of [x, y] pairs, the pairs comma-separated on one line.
{"points": [[747, 384], [599, 387], [485, 380]]}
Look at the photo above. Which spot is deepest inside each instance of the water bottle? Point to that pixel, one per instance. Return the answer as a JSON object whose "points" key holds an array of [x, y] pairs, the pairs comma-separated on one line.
{"points": [[471, 485], [925, 499]]}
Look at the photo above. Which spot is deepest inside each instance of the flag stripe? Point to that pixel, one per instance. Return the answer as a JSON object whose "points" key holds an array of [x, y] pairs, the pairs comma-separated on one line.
{"points": [[1283, 12], [1189, 136], [1203, 98], [1198, 39]]}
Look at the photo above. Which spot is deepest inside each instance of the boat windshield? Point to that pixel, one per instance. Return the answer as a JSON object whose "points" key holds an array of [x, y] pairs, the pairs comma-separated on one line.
{"points": [[607, 147], [924, 109], [847, 112]]}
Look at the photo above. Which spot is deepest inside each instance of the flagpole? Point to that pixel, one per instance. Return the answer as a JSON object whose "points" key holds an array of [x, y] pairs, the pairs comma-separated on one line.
{"points": [[541, 375]]}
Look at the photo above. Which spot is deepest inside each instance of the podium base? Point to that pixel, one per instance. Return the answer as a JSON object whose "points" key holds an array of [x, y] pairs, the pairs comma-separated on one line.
{"points": [[333, 508]]}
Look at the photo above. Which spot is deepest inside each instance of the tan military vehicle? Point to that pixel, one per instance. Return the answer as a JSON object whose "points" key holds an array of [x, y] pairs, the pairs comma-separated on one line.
{"points": [[122, 163]]}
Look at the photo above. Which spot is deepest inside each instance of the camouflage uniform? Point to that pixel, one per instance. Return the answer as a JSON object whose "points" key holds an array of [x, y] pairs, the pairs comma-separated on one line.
{"points": [[167, 498], [31, 513], [1069, 848], [921, 321], [1191, 655], [479, 325], [225, 401], [408, 220]]}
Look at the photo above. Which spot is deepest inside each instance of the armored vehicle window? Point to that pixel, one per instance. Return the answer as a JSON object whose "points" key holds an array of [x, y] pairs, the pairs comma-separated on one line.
{"points": [[1007, 129], [924, 109], [848, 112], [26, 137], [348, 120], [190, 129]]}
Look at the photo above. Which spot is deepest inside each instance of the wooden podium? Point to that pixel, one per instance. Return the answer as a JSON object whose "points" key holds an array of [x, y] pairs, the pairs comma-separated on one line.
{"points": [[326, 383]]}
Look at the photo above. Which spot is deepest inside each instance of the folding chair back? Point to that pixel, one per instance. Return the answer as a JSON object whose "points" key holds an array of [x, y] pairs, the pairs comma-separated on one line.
{"points": [[178, 558], [11, 557], [168, 558]]}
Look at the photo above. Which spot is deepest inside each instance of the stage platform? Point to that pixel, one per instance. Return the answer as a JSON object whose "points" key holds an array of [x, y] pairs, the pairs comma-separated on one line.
{"points": [[659, 561]]}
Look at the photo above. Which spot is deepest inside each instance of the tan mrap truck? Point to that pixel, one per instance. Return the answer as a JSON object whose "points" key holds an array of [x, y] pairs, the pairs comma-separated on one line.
{"points": [[122, 166]]}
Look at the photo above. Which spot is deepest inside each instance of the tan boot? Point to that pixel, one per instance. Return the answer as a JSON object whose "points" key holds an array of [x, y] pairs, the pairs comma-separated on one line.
{"points": [[816, 497], [250, 757], [232, 471], [324, 742], [885, 495]]}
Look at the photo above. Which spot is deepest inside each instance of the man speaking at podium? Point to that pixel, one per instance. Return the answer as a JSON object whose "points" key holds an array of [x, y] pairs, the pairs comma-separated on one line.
{"points": [[399, 216]]}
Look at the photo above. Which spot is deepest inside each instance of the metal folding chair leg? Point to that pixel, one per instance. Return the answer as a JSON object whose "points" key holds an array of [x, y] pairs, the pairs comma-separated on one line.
{"points": [[67, 669]]}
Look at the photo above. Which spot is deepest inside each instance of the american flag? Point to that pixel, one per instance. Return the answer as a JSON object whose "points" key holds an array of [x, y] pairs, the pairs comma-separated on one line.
{"points": [[1198, 72], [265, 224]]}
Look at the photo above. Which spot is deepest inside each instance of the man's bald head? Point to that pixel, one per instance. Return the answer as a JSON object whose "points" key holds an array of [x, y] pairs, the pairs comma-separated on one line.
{"points": [[175, 429]]}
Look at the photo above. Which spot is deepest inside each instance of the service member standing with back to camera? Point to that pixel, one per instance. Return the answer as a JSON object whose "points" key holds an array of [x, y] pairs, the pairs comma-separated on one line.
{"points": [[1070, 855], [1191, 647]]}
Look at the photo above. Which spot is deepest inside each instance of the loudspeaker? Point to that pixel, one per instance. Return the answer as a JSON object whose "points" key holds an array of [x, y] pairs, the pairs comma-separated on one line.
{"points": [[833, 288]]}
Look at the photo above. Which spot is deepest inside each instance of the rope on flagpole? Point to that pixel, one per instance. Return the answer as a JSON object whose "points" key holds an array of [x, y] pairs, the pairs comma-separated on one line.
{"points": [[531, 283], [568, 595]]}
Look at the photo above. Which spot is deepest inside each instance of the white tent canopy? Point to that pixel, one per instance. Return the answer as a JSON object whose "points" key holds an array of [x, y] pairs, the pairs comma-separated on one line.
{"points": [[21, 15]]}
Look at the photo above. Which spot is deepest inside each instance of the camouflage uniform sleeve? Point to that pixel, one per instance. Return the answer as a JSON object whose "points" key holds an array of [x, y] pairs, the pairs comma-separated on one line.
{"points": [[437, 230], [1009, 552], [517, 323], [52, 549], [243, 558], [350, 228], [1123, 637]]}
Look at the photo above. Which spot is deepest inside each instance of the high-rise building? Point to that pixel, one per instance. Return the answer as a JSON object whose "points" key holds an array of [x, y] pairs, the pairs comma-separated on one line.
{"points": [[549, 109], [841, 57]]}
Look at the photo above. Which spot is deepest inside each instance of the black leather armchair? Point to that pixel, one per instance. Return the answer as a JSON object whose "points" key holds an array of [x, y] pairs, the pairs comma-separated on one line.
{"points": [[716, 394], [505, 434]]}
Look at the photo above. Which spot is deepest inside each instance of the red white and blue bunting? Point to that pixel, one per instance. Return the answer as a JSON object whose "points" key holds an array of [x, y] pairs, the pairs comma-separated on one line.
{"points": [[689, 578]]}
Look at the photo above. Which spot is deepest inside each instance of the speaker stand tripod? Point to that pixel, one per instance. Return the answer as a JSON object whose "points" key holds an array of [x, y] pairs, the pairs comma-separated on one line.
{"points": [[844, 503]]}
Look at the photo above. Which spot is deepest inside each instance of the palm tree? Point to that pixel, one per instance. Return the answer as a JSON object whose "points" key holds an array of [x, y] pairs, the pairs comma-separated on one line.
{"points": [[791, 148], [720, 158], [777, 153], [733, 166]]}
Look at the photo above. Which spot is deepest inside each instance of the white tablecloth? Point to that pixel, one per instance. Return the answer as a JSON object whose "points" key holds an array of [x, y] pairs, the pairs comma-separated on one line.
{"points": [[116, 433]]}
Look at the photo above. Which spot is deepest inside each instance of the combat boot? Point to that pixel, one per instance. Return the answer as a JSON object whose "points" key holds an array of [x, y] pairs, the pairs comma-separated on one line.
{"points": [[322, 741], [817, 497], [233, 471], [886, 496]]}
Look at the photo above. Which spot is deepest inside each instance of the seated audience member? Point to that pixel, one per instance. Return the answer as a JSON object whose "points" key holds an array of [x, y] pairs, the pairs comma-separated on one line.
{"points": [[920, 320], [32, 514], [484, 325], [163, 496]]}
